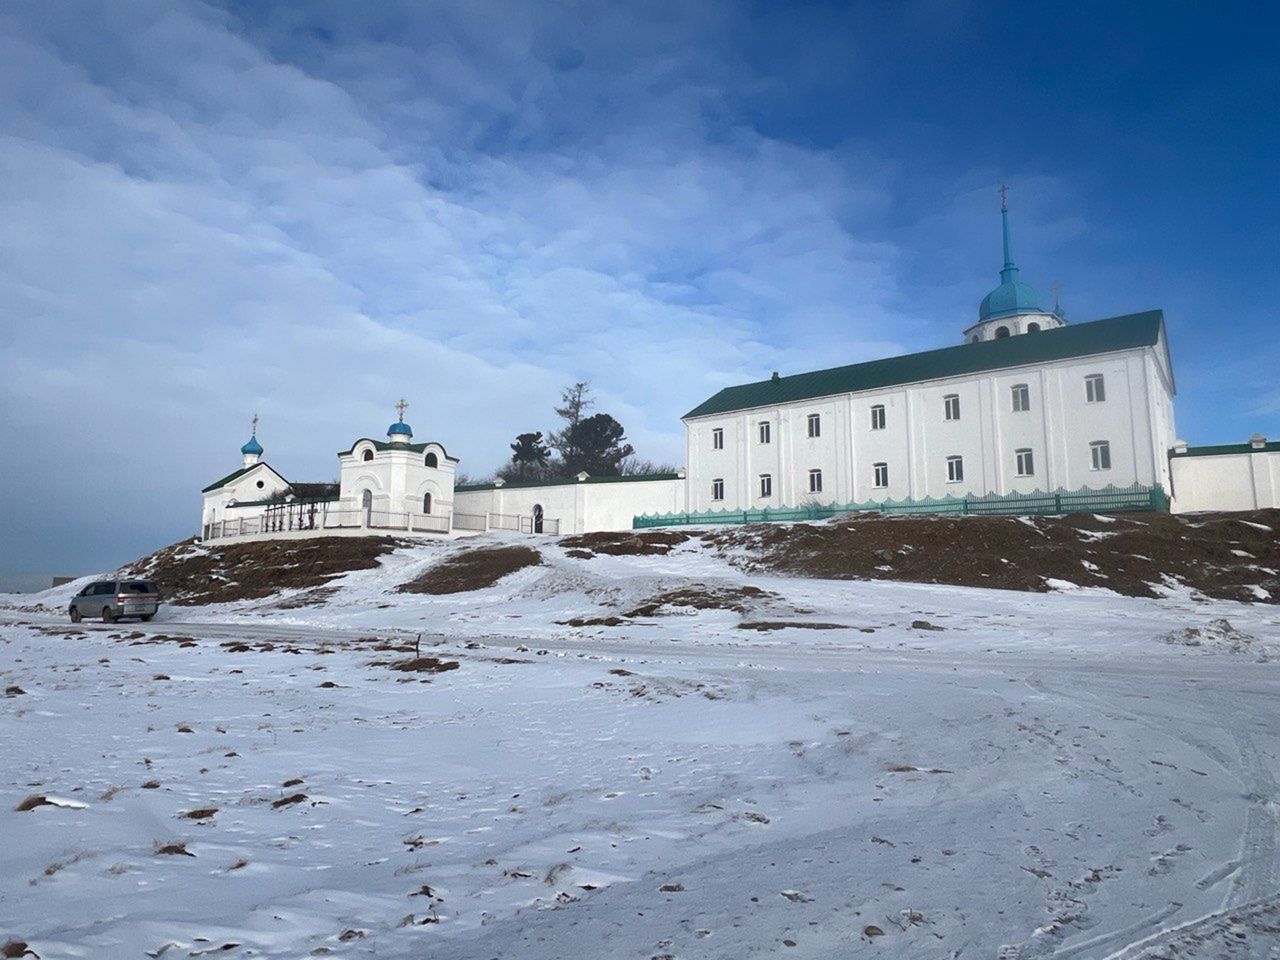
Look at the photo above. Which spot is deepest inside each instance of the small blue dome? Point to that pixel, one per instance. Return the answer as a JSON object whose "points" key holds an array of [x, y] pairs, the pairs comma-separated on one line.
{"points": [[399, 428], [252, 448]]}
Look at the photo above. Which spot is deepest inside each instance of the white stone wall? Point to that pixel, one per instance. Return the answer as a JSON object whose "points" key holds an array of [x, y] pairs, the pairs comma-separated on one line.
{"points": [[397, 478], [1136, 419], [259, 483], [580, 507], [1237, 481]]}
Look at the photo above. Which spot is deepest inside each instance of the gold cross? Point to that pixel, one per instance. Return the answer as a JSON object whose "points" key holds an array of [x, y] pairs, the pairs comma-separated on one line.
{"points": [[401, 407], [1003, 189]]}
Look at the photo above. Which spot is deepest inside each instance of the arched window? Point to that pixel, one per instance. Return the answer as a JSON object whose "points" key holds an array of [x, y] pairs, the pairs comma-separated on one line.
{"points": [[1001, 332], [1033, 327], [432, 461], [426, 503], [367, 456]]}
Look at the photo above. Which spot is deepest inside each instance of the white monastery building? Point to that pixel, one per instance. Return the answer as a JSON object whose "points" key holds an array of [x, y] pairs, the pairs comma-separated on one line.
{"points": [[1027, 414]]}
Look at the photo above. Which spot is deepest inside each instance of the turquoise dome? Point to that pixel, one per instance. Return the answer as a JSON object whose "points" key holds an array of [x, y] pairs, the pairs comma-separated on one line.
{"points": [[1012, 297], [252, 448], [399, 428]]}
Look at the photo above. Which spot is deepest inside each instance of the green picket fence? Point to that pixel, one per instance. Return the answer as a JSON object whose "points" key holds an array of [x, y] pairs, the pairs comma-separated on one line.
{"points": [[1110, 499]]}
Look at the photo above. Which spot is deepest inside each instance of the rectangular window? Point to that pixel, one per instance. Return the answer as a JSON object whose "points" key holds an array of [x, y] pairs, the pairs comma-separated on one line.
{"points": [[1021, 398], [815, 481], [1095, 388], [951, 404], [815, 425], [717, 439], [955, 469], [1026, 464], [717, 489], [764, 431], [877, 417], [881, 475], [1100, 453], [766, 485]]}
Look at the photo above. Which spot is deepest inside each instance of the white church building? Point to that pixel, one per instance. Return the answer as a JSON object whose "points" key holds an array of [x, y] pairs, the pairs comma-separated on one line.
{"points": [[1027, 414]]}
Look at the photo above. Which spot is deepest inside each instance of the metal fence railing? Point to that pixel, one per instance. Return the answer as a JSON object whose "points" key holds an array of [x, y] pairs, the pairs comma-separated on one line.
{"points": [[1110, 499], [300, 516]]}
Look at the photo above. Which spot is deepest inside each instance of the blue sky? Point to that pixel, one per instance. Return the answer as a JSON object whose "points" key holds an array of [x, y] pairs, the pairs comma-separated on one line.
{"points": [[306, 210]]}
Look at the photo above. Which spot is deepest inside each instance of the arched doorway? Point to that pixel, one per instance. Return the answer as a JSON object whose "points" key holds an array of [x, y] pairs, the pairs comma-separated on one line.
{"points": [[366, 505], [537, 518], [426, 503]]}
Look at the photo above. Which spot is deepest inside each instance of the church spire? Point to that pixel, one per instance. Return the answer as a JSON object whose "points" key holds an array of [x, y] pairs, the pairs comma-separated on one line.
{"points": [[1009, 271]]}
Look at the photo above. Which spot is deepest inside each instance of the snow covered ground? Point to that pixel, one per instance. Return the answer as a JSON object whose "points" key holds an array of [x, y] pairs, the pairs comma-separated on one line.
{"points": [[1017, 775]]}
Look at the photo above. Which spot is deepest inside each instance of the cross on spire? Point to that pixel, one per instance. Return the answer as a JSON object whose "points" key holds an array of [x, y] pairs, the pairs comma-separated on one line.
{"points": [[1057, 288], [401, 407], [254, 431], [1003, 203]]}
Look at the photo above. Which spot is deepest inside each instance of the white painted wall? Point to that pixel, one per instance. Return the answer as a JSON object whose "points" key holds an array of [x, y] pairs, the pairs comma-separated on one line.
{"points": [[1136, 419], [581, 506], [1237, 481], [397, 477], [259, 483]]}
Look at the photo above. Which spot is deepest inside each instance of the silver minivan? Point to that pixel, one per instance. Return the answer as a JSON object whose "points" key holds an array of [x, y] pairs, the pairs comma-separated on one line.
{"points": [[113, 599]]}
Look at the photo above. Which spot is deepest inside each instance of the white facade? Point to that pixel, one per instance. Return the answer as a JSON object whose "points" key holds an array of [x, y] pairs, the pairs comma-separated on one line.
{"points": [[1057, 428], [1244, 476], [576, 506], [398, 478]]}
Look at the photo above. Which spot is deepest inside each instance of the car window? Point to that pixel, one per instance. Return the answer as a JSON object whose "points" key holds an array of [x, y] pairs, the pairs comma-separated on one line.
{"points": [[99, 589], [138, 586]]}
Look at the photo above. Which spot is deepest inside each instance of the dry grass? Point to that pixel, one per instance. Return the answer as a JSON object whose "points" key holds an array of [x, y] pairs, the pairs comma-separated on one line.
{"points": [[473, 570]]}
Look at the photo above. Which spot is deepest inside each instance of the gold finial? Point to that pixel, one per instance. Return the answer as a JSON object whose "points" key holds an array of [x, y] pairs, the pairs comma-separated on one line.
{"points": [[255, 425], [401, 407], [1003, 204]]}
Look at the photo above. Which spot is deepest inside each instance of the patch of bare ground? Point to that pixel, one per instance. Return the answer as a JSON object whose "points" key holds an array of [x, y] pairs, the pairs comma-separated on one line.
{"points": [[473, 570], [695, 596], [767, 625], [194, 574], [623, 543], [1231, 556]]}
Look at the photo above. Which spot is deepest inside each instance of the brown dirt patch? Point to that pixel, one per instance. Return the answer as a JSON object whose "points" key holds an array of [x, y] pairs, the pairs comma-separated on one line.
{"points": [[425, 665], [766, 625], [1220, 555], [473, 570], [192, 574], [701, 596], [624, 543]]}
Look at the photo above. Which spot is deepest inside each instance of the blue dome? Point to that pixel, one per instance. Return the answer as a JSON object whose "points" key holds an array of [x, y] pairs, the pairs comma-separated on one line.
{"points": [[399, 428], [252, 448], [1011, 298]]}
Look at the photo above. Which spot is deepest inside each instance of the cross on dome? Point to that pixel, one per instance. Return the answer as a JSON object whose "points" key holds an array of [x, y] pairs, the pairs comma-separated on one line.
{"points": [[401, 407]]}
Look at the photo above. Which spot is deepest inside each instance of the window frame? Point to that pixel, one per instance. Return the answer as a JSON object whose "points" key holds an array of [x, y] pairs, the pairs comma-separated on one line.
{"points": [[717, 489], [875, 476], [1095, 388], [815, 480], [814, 426], [1099, 451], [764, 432], [717, 438], [1018, 455], [950, 401], [878, 416], [955, 468], [1020, 394], [766, 486]]}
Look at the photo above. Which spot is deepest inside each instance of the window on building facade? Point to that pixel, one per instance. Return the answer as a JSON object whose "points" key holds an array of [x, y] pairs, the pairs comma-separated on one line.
{"points": [[1021, 398], [951, 406], [1033, 327], [815, 481], [1100, 454], [1095, 388], [717, 439], [815, 425], [426, 503], [766, 485], [717, 488], [431, 460], [877, 417], [368, 455], [764, 431], [1025, 463], [881, 475], [955, 469], [1001, 332]]}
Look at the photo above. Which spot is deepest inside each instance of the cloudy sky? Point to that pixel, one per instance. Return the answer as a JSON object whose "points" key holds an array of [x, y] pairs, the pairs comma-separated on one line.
{"points": [[307, 210]]}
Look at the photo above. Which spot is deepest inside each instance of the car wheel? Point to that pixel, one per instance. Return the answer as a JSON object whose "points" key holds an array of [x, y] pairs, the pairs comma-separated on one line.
{"points": [[75, 614], [146, 616], [108, 616]]}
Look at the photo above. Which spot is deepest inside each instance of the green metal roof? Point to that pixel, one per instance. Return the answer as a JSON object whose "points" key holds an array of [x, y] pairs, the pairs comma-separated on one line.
{"points": [[381, 445], [1079, 340], [227, 479], [522, 484], [1226, 448]]}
